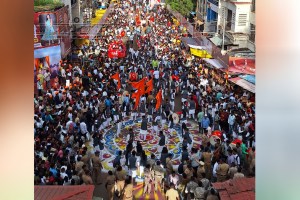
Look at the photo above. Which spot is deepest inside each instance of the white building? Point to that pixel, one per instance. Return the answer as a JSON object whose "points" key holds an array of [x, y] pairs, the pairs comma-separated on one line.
{"points": [[238, 16]]}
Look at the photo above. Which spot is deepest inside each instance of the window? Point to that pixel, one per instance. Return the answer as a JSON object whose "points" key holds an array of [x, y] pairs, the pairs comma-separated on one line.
{"points": [[229, 19], [253, 6], [252, 33], [73, 2], [242, 20]]}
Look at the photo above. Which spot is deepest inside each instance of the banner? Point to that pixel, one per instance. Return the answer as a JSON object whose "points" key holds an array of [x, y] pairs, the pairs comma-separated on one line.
{"points": [[45, 29], [200, 53], [242, 65], [48, 56]]}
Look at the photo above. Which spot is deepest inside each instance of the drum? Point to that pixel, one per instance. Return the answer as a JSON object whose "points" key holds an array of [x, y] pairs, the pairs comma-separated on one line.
{"points": [[214, 136], [175, 118], [234, 142]]}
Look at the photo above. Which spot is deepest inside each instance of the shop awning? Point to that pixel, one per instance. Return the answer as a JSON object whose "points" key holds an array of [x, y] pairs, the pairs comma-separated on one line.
{"points": [[190, 41], [244, 84], [219, 41], [197, 47], [249, 78], [214, 62]]}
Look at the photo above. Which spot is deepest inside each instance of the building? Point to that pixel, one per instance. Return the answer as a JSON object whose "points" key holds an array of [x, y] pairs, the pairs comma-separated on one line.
{"points": [[237, 17], [236, 189], [75, 20], [207, 12], [63, 192]]}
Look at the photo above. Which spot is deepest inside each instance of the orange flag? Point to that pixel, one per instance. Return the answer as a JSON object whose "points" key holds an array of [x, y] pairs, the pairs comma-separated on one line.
{"points": [[149, 85], [137, 95], [140, 85], [116, 76], [158, 99]]}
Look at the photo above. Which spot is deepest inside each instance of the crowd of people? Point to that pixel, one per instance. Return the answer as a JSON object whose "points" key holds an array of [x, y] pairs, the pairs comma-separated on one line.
{"points": [[84, 101]]}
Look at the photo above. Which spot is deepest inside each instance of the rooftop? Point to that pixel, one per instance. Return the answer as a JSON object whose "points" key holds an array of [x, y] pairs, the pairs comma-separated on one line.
{"points": [[236, 189], [82, 192]]}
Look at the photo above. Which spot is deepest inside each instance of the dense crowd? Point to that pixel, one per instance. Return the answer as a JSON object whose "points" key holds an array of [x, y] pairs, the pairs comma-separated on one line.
{"points": [[69, 117]]}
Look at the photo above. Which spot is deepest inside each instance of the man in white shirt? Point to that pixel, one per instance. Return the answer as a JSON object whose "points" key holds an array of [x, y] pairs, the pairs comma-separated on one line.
{"points": [[156, 74], [215, 170], [174, 178], [83, 127]]}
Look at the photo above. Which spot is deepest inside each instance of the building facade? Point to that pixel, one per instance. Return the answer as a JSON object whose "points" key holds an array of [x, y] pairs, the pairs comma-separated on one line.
{"points": [[237, 17]]}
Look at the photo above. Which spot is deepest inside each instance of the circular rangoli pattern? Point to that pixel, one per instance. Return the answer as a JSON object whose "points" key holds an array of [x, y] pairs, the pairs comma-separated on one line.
{"points": [[113, 144]]}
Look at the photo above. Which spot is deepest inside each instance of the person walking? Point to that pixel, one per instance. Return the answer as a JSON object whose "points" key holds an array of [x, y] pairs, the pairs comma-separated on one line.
{"points": [[97, 167], [110, 185], [147, 180], [120, 179], [222, 170], [143, 131], [158, 176], [127, 192], [171, 193]]}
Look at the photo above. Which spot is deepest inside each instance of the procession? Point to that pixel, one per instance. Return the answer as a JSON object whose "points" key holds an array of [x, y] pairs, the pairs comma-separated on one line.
{"points": [[137, 113]]}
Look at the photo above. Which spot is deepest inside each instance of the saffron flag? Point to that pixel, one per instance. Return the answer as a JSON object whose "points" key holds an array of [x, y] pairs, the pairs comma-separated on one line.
{"points": [[158, 99], [149, 85], [139, 85], [116, 76]]}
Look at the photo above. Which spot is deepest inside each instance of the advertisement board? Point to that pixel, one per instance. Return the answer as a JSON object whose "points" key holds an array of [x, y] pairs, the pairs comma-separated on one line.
{"points": [[45, 29], [52, 28], [47, 57]]}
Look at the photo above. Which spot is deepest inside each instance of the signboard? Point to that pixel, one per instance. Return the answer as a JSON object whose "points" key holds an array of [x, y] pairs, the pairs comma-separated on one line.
{"points": [[45, 29], [49, 56], [200, 53], [52, 28]]}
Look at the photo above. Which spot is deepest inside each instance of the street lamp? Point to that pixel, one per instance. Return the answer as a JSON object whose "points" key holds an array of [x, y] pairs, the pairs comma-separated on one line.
{"points": [[223, 51]]}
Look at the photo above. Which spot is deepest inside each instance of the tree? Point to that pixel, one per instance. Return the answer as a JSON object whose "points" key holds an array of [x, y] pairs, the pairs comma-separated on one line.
{"points": [[182, 6]]}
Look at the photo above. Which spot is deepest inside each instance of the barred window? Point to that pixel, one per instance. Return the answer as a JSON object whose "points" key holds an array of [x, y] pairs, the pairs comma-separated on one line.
{"points": [[252, 33]]}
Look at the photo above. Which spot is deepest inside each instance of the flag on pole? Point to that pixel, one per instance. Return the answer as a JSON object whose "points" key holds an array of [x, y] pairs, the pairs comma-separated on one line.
{"points": [[116, 76], [149, 85], [158, 99]]}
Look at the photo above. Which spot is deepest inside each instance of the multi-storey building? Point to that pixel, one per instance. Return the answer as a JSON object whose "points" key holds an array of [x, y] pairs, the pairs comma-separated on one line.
{"points": [[236, 20]]}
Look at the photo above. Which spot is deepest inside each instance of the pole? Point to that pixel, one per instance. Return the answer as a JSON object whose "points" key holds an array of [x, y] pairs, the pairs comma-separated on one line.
{"points": [[223, 41]]}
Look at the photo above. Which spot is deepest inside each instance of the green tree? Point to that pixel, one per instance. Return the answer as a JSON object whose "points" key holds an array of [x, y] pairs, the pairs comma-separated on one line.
{"points": [[182, 6]]}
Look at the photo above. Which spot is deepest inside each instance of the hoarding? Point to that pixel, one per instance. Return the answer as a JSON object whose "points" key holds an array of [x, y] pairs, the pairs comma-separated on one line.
{"points": [[47, 57], [45, 29], [52, 28]]}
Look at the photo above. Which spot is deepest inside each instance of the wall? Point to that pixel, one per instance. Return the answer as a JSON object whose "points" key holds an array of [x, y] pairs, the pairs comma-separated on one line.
{"points": [[252, 18], [242, 10], [76, 13], [68, 2]]}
